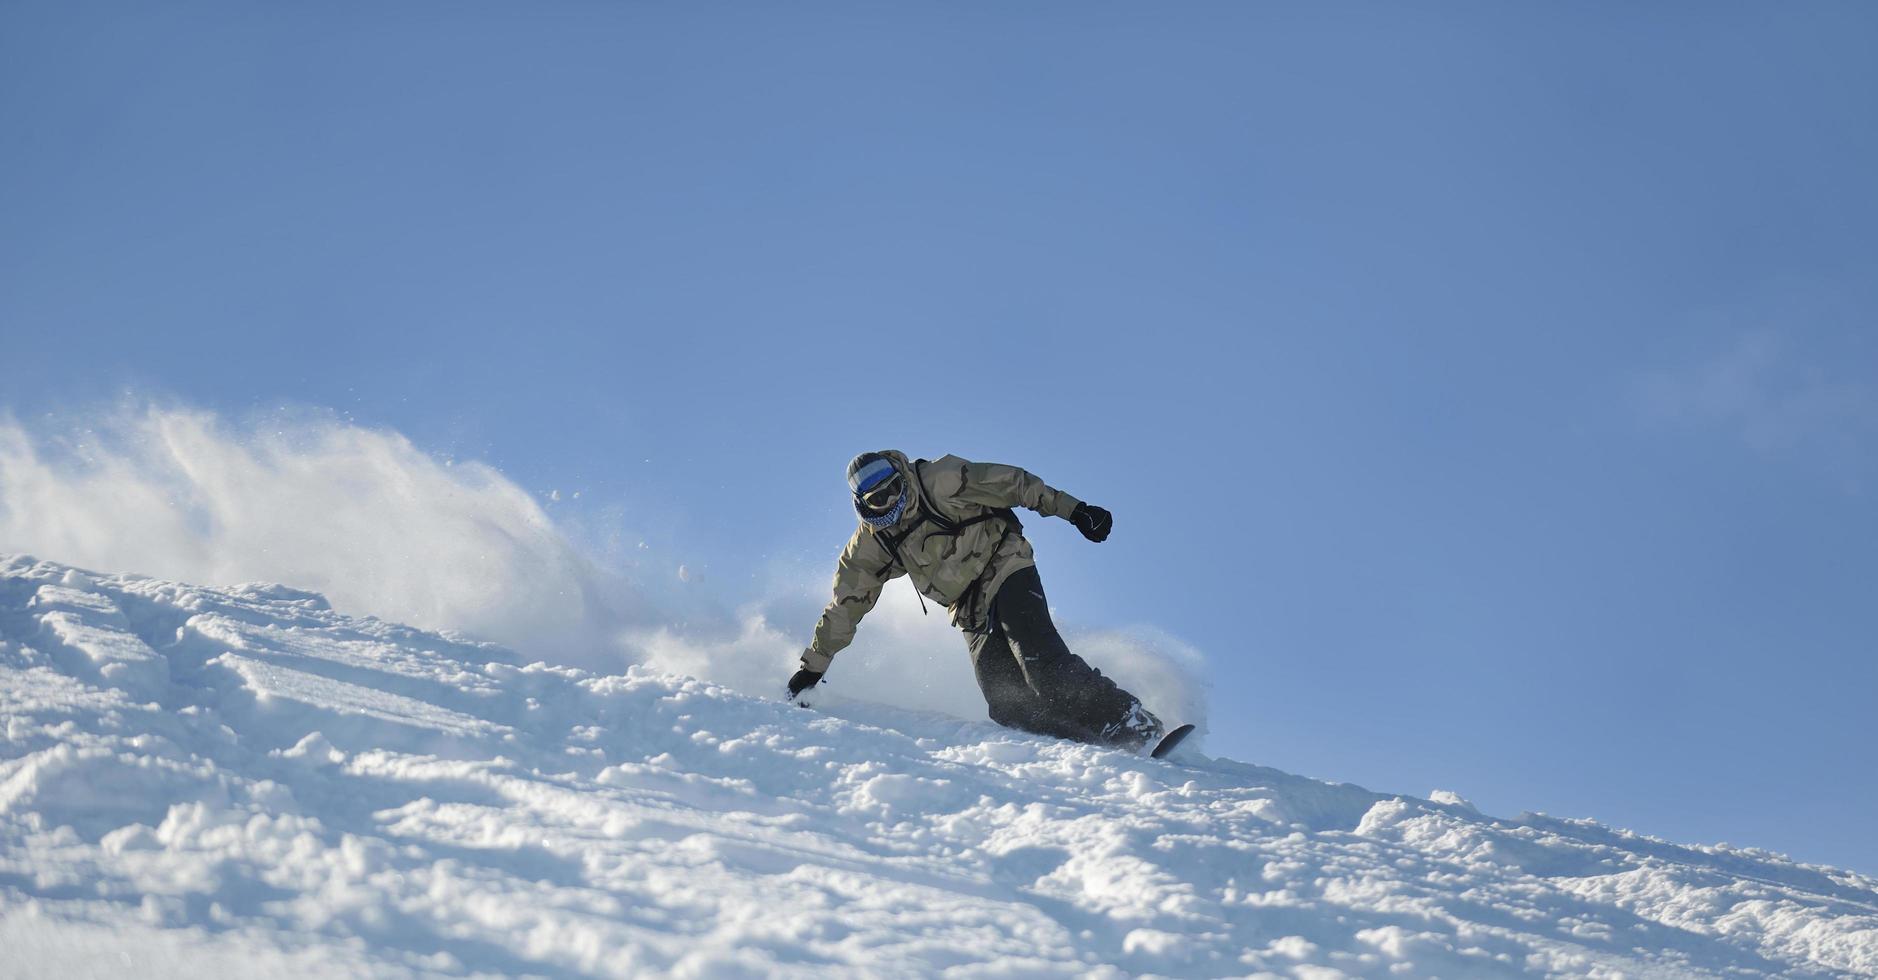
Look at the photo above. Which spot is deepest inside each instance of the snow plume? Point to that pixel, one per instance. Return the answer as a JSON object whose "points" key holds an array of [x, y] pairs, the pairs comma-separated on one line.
{"points": [[1169, 676], [899, 657], [358, 514], [383, 528], [913, 658], [905, 657]]}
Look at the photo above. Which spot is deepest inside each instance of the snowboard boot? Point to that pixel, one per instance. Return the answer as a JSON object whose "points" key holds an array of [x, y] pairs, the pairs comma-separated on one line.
{"points": [[1135, 731]]}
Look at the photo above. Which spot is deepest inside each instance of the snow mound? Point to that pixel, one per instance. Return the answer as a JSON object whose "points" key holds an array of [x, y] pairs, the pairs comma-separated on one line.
{"points": [[216, 783]]}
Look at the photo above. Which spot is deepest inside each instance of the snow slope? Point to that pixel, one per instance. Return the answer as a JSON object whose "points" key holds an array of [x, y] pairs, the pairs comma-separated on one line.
{"points": [[220, 782]]}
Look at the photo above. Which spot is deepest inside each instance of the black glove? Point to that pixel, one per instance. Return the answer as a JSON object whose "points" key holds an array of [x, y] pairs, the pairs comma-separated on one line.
{"points": [[802, 681], [1094, 522]]}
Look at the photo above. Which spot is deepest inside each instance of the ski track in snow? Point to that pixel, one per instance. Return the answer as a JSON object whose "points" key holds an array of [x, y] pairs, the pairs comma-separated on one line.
{"points": [[231, 782]]}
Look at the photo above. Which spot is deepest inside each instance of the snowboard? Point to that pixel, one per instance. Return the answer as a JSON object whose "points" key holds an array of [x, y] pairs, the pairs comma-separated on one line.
{"points": [[1171, 740]]}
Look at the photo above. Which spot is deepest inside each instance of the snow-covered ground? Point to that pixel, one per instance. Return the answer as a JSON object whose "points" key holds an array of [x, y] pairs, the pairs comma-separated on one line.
{"points": [[245, 782]]}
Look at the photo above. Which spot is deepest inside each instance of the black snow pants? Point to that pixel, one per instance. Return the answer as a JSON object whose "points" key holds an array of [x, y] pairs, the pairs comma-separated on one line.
{"points": [[1032, 681]]}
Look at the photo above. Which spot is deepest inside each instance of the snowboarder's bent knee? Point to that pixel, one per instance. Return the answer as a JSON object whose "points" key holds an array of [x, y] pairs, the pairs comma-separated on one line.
{"points": [[949, 524]]}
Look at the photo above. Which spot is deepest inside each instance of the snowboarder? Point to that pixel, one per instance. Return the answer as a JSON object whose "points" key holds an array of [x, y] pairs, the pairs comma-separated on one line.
{"points": [[949, 525]]}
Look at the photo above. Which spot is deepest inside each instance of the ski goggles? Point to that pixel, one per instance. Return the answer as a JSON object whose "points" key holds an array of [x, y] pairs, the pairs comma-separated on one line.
{"points": [[883, 494], [877, 486]]}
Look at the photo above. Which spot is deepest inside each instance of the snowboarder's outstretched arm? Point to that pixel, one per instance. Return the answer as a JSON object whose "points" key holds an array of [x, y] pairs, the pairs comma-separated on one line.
{"points": [[865, 568], [1000, 485]]}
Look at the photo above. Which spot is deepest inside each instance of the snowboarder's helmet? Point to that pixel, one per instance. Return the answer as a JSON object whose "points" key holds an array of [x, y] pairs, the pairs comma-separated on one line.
{"points": [[878, 487]]}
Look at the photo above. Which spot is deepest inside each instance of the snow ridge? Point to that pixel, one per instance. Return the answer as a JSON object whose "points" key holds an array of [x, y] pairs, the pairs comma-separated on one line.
{"points": [[212, 782]]}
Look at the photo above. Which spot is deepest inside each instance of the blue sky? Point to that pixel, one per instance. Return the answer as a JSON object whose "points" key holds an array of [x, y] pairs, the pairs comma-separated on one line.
{"points": [[1489, 391]]}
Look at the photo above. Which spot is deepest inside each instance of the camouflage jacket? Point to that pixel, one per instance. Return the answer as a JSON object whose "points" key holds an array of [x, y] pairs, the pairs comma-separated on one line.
{"points": [[953, 562]]}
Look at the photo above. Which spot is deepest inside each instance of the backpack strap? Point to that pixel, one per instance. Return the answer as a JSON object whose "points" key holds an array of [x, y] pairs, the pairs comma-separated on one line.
{"points": [[930, 512]]}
